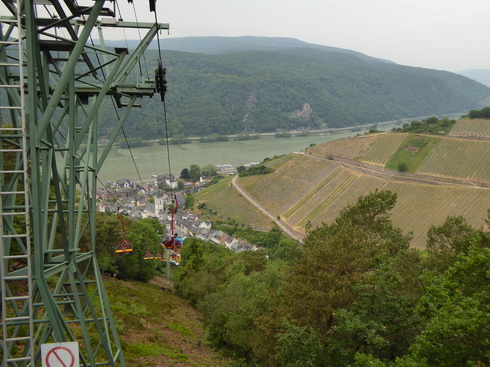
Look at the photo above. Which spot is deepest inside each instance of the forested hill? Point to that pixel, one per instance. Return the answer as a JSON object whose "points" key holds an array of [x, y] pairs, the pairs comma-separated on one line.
{"points": [[228, 45], [262, 85]]}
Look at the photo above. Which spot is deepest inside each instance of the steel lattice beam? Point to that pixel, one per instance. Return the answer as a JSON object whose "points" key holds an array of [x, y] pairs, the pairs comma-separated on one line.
{"points": [[53, 86]]}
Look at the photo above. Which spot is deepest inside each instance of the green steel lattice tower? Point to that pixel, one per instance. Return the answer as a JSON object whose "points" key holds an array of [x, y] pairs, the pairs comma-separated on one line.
{"points": [[53, 81]]}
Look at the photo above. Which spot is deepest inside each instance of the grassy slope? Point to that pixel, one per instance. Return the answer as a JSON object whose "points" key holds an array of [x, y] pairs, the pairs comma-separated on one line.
{"points": [[413, 152], [306, 189], [157, 328]]}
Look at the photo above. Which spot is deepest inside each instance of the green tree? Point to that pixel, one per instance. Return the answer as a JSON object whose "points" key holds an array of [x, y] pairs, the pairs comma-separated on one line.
{"points": [[209, 170], [338, 260], [452, 238], [403, 166], [195, 172], [184, 174], [200, 269], [144, 236], [298, 347], [245, 305], [189, 201], [458, 305], [256, 170], [382, 321], [240, 169], [107, 238]]}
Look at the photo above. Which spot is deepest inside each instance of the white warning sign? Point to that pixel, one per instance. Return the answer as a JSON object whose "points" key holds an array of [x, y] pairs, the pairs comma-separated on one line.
{"points": [[60, 354]]}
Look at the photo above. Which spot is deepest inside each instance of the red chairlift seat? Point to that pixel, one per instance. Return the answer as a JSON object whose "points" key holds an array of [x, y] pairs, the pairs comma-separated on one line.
{"points": [[173, 242], [168, 243]]}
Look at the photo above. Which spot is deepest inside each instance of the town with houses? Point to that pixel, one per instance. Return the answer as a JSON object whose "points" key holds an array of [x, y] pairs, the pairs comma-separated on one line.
{"points": [[152, 200]]}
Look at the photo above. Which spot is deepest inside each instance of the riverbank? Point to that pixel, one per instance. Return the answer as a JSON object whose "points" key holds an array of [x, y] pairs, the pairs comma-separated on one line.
{"points": [[154, 159]]}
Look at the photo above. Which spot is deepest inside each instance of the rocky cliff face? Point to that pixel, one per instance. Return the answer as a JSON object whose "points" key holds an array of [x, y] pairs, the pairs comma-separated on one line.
{"points": [[305, 113]]}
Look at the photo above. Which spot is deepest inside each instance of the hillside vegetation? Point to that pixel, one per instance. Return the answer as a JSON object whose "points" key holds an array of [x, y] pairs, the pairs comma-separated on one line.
{"points": [[157, 328], [354, 294], [440, 176], [263, 86]]}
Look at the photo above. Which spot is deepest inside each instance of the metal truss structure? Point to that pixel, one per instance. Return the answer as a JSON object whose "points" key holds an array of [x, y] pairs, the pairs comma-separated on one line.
{"points": [[53, 81]]}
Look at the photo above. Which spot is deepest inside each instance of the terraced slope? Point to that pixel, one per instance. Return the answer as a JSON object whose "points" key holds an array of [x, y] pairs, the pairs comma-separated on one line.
{"points": [[283, 188], [419, 206], [313, 188], [384, 148], [462, 158], [349, 148], [318, 203], [337, 196], [229, 204], [471, 128], [334, 186], [376, 149]]}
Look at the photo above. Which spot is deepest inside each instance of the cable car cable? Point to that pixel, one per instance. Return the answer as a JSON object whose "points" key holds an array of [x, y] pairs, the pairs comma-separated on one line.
{"points": [[139, 35]]}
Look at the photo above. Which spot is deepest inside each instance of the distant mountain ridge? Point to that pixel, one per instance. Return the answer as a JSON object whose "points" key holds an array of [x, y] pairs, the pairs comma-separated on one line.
{"points": [[228, 45], [480, 75], [232, 85]]}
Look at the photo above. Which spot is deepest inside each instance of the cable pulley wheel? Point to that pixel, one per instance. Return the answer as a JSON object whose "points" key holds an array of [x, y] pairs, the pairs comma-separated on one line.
{"points": [[160, 79]]}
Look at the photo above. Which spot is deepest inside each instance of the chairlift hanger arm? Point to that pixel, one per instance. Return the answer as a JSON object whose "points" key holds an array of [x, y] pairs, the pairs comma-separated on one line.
{"points": [[137, 54], [173, 214]]}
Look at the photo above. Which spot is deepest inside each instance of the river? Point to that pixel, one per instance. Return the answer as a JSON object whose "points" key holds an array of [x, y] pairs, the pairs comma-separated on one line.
{"points": [[153, 160]]}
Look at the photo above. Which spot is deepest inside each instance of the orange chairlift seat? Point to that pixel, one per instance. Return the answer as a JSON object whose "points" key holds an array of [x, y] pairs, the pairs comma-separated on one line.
{"points": [[124, 245], [150, 255]]}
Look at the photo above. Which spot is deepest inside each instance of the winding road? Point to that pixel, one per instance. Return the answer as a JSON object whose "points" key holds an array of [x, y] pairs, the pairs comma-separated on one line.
{"points": [[280, 223]]}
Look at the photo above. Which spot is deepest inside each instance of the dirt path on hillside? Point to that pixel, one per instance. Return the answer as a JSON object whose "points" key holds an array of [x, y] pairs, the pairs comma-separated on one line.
{"points": [[280, 223]]}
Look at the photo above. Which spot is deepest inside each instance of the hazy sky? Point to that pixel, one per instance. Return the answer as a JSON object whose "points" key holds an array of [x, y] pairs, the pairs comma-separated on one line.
{"points": [[440, 34], [450, 35]]}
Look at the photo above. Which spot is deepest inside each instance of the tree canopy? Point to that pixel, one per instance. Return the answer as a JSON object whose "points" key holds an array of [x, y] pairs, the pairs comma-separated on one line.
{"points": [[354, 294]]}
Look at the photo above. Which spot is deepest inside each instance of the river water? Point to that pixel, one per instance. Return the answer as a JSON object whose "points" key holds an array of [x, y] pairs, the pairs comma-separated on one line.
{"points": [[153, 160]]}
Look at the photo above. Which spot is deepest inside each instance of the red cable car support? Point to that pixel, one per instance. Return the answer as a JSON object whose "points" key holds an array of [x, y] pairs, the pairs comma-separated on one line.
{"points": [[173, 214], [173, 243], [124, 245]]}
